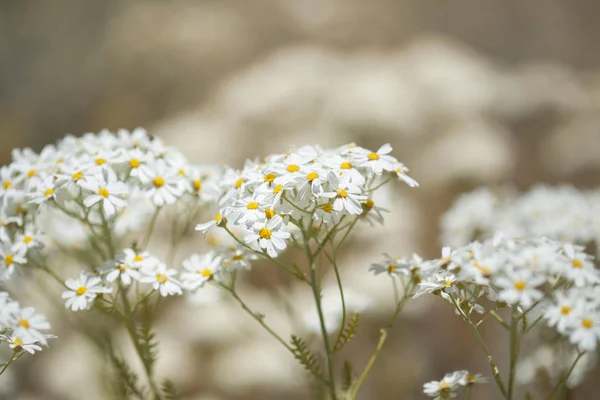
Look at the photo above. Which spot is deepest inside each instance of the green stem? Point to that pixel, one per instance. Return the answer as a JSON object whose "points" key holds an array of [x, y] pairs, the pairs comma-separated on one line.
{"points": [[150, 230], [340, 287], [514, 352], [355, 388], [317, 296], [564, 379], [131, 329], [15, 357]]}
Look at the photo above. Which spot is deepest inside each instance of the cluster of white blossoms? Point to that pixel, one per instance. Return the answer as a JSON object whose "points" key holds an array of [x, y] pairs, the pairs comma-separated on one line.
{"points": [[452, 382], [22, 327], [559, 280], [562, 213], [315, 189]]}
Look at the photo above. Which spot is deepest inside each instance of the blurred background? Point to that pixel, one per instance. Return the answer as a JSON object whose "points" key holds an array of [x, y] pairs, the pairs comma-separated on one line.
{"points": [[468, 92]]}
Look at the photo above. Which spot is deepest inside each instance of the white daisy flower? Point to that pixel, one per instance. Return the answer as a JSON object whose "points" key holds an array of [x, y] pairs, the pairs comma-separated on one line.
{"points": [[29, 324], [519, 287], [378, 161], [123, 271], [585, 328], [27, 344], [83, 291], [46, 191], [162, 279], [165, 185], [108, 190], [270, 235], [347, 195], [199, 270]]}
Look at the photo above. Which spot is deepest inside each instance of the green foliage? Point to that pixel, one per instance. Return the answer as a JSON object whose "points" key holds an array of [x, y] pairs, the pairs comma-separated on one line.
{"points": [[168, 389], [147, 338], [347, 333], [306, 357], [126, 381], [348, 377]]}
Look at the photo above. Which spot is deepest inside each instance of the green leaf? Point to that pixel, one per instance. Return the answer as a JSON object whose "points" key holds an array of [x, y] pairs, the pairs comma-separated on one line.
{"points": [[306, 357], [126, 384], [147, 338], [347, 376], [168, 389], [347, 333]]}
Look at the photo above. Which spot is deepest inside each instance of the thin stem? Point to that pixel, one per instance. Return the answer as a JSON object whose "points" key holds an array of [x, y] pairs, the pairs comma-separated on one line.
{"points": [[15, 357], [339, 283], [495, 370], [131, 329], [565, 378], [317, 296], [148, 235], [258, 318], [356, 387], [514, 352]]}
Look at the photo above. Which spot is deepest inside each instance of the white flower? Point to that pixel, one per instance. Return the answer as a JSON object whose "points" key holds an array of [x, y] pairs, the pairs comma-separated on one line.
{"points": [[580, 269], [162, 279], [165, 185], [83, 291], [347, 195], [137, 260], [27, 344], [29, 324], [205, 227], [560, 312], [120, 269], [270, 234], [137, 161], [199, 270], [446, 388], [46, 190], [585, 327], [401, 171], [519, 287], [107, 189], [441, 281], [9, 258], [378, 161]]}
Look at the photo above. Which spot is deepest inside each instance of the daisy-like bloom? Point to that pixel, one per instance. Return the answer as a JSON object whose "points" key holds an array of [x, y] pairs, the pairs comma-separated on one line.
{"points": [[236, 258], [446, 388], [401, 172], [83, 291], [7, 181], [9, 259], [520, 287], [377, 161], [216, 221], [580, 269], [164, 184], [468, 379], [137, 161], [390, 265], [560, 313], [200, 269], [123, 271], [107, 190], [137, 260], [443, 282], [26, 344], [585, 328], [347, 195], [325, 213], [29, 325], [270, 235], [46, 191], [373, 213], [26, 241], [162, 279]]}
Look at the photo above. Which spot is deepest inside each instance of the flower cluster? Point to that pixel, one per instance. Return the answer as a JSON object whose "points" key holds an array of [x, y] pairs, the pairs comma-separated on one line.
{"points": [[92, 182], [562, 213], [315, 189], [523, 273], [448, 387], [22, 328]]}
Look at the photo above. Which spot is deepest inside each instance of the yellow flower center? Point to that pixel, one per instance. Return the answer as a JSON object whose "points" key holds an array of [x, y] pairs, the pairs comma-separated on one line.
{"points": [[239, 183], [81, 291], [520, 285], [237, 257], [587, 323], [100, 161], [27, 239], [312, 176], [7, 184], [24, 323], [269, 214], [77, 176], [181, 172], [373, 157], [17, 342], [9, 260], [159, 182], [121, 267], [161, 278], [565, 310], [292, 168], [104, 193], [207, 273], [269, 178], [134, 163], [392, 268], [198, 184], [447, 282], [218, 218], [444, 385], [577, 263], [327, 207], [49, 192], [277, 189], [471, 378], [346, 165], [265, 233], [31, 173], [342, 193], [369, 203], [138, 258], [484, 270], [252, 205]]}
